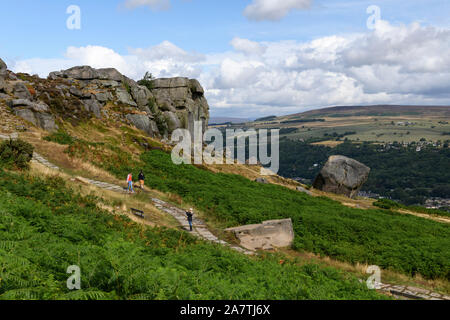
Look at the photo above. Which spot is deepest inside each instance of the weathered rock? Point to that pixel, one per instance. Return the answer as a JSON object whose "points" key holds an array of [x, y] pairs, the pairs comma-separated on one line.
{"points": [[80, 73], [108, 83], [78, 93], [172, 104], [185, 97], [93, 106], [124, 97], [3, 69], [55, 75], [103, 96], [266, 236], [21, 91], [143, 123], [342, 175], [44, 120], [35, 106], [142, 96], [2, 85], [110, 74], [173, 122]]}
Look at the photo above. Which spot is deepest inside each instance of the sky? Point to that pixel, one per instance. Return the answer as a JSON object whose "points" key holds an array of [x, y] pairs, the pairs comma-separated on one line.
{"points": [[254, 57]]}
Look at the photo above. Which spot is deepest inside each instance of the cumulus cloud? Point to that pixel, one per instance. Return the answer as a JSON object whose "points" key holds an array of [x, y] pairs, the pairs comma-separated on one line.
{"points": [[273, 10], [153, 4], [248, 47], [405, 64]]}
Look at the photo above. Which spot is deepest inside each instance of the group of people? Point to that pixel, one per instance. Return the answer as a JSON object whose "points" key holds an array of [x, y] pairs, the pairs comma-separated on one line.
{"points": [[141, 178]]}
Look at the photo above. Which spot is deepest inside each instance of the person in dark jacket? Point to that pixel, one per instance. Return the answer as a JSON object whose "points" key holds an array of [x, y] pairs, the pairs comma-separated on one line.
{"points": [[141, 179], [190, 215]]}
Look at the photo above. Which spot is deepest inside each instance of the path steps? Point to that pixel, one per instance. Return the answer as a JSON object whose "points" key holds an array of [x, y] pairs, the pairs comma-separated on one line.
{"points": [[409, 292], [201, 231]]}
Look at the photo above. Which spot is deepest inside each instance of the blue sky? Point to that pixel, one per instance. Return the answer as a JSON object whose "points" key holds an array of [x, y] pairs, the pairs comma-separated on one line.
{"points": [[37, 38]]}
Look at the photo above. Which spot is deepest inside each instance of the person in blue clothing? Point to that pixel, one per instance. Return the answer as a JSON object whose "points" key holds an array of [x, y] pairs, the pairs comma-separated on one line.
{"points": [[190, 215], [130, 183]]}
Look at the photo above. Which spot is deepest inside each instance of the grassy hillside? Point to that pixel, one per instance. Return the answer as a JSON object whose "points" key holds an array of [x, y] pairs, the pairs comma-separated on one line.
{"points": [[403, 243], [46, 227], [365, 123]]}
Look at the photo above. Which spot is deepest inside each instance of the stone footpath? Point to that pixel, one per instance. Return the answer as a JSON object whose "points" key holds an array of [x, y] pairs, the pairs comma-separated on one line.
{"points": [[201, 231], [410, 292], [199, 228]]}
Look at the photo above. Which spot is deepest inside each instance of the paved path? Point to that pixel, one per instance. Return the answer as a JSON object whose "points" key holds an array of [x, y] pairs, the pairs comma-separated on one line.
{"points": [[410, 292], [201, 231]]}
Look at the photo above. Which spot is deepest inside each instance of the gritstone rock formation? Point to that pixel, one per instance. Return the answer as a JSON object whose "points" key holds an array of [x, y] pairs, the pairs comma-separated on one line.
{"points": [[80, 93]]}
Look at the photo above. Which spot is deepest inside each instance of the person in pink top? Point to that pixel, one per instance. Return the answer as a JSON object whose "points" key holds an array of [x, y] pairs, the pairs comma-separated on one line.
{"points": [[130, 183]]}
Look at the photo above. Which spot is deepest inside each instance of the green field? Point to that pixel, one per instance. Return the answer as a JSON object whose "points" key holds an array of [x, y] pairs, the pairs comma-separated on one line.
{"points": [[371, 123], [378, 132]]}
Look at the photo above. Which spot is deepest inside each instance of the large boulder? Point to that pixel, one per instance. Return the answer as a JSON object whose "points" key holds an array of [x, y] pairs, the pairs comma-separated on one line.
{"points": [[21, 91], [124, 97], [342, 175], [79, 73], [182, 96], [266, 236], [35, 106], [45, 121], [93, 106], [144, 123], [110, 74]]}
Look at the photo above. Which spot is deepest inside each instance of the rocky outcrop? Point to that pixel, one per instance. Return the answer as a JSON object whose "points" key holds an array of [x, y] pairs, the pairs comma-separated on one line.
{"points": [[3, 69], [342, 175], [266, 236], [183, 102], [82, 92]]}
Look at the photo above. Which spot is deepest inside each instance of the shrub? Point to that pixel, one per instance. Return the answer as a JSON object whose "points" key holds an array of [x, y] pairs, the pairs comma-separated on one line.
{"points": [[147, 81], [16, 154], [60, 137]]}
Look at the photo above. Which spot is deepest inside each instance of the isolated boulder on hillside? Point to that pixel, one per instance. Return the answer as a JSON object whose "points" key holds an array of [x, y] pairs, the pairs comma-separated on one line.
{"points": [[268, 235], [342, 175]]}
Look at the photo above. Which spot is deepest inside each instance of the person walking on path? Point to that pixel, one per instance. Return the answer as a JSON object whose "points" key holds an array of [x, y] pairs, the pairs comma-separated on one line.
{"points": [[141, 179], [190, 215], [130, 183]]}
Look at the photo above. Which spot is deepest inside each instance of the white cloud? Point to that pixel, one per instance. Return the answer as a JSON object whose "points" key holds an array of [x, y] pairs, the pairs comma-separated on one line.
{"points": [[153, 4], [393, 64], [248, 47], [273, 10]]}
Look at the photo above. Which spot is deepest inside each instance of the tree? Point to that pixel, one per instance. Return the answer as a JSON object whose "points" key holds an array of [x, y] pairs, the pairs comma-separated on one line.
{"points": [[147, 81]]}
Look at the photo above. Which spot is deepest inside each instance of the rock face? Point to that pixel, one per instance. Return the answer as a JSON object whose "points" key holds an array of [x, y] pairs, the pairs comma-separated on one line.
{"points": [[182, 100], [266, 236], [82, 92], [3, 69], [342, 175]]}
